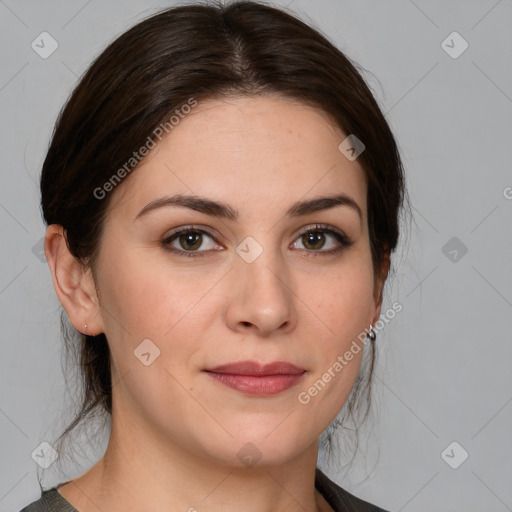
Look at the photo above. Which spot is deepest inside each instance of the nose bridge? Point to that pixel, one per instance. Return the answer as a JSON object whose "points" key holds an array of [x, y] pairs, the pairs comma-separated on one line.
{"points": [[261, 268], [261, 295]]}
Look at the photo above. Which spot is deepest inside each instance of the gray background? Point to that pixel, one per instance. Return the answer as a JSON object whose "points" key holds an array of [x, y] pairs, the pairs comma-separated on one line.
{"points": [[444, 368]]}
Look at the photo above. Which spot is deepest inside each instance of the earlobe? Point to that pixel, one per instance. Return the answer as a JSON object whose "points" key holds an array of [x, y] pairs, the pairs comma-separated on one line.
{"points": [[73, 282]]}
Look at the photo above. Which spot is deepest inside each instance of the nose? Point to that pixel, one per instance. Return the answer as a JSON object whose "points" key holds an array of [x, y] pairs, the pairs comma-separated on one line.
{"points": [[261, 299]]}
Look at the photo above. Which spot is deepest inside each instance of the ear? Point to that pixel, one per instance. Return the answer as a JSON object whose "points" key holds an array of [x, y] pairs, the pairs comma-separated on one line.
{"points": [[73, 283], [380, 279]]}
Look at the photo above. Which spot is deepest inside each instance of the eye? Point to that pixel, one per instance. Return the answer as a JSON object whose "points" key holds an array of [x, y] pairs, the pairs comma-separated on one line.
{"points": [[190, 241], [317, 240], [322, 239]]}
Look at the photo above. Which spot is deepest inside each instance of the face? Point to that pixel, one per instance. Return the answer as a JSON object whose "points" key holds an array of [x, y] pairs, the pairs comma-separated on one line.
{"points": [[250, 269]]}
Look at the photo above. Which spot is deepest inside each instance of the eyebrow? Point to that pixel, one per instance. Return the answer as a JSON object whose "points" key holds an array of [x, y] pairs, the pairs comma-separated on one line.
{"points": [[222, 210]]}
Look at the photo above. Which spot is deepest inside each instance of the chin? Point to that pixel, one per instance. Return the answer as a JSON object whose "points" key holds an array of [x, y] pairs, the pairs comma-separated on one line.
{"points": [[258, 449]]}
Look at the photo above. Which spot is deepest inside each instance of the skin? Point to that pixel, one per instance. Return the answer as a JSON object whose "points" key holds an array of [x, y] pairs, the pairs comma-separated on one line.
{"points": [[176, 431]]}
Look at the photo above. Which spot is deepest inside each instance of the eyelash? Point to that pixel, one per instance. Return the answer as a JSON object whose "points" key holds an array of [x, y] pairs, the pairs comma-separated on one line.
{"points": [[343, 239]]}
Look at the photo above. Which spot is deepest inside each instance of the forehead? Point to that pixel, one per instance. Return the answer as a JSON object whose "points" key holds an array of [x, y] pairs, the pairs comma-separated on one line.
{"points": [[252, 152]]}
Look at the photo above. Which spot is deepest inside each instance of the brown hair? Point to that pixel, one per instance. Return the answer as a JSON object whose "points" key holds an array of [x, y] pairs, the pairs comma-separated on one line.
{"points": [[201, 51]]}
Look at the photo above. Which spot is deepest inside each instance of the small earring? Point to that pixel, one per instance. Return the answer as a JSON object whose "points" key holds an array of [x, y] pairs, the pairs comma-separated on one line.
{"points": [[372, 334], [85, 326]]}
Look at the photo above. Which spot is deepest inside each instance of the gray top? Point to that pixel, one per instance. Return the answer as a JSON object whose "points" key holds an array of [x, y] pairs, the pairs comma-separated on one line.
{"points": [[339, 499]]}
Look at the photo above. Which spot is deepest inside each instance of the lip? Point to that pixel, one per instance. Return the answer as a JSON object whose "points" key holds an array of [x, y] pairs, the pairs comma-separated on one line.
{"points": [[257, 379]]}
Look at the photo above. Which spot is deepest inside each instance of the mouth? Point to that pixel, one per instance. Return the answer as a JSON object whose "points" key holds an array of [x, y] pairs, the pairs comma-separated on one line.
{"points": [[257, 379]]}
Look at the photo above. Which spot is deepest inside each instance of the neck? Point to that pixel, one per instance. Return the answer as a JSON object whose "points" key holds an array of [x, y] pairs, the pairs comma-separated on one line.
{"points": [[136, 473]]}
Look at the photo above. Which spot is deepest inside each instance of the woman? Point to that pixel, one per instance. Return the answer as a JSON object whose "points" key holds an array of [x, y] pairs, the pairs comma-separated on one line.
{"points": [[222, 196]]}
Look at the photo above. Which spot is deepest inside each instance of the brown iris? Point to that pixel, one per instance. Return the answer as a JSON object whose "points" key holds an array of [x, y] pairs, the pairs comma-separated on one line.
{"points": [[192, 240], [313, 240]]}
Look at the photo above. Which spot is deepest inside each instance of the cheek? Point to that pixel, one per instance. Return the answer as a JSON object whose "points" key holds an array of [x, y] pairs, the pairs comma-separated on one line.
{"points": [[343, 302], [145, 301], [146, 297], [343, 299], [323, 395]]}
